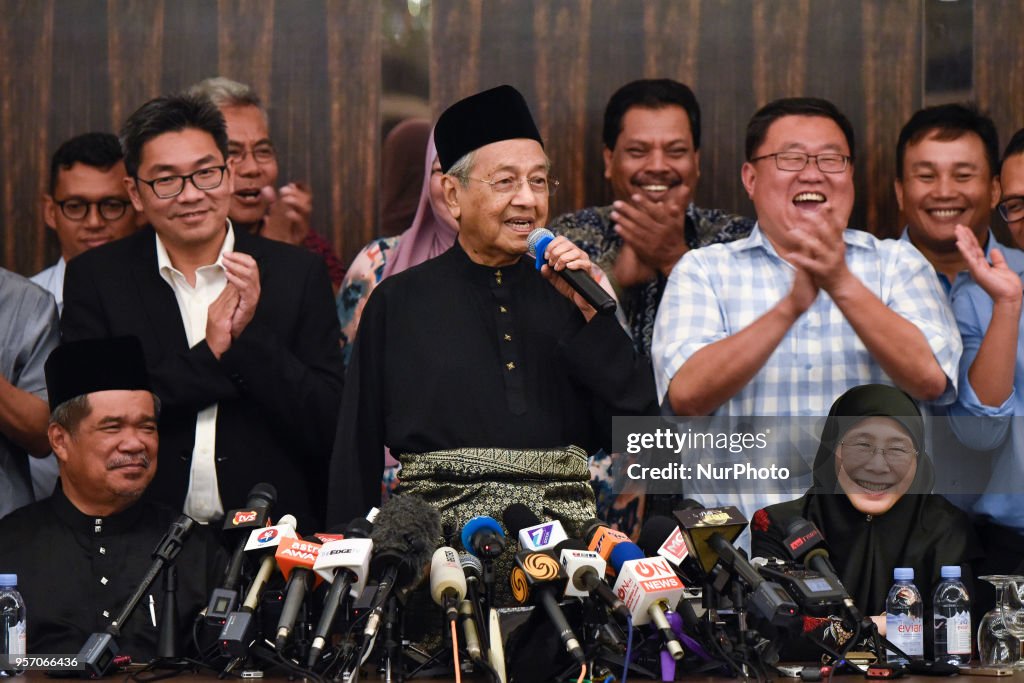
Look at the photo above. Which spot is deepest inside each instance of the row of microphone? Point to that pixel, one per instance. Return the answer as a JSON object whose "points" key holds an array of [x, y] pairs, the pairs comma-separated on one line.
{"points": [[386, 554]]}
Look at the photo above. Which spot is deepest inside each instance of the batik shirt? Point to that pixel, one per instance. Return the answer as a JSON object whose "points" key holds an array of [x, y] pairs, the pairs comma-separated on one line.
{"points": [[594, 231]]}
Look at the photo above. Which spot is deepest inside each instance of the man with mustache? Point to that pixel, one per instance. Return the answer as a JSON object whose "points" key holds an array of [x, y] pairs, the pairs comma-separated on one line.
{"points": [[240, 332], [786, 320], [257, 204], [82, 552], [652, 161], [86, 206]]}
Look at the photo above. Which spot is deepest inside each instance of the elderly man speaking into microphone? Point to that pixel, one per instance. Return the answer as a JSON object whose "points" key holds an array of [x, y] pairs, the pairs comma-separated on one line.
{"points": [[488, 380]]}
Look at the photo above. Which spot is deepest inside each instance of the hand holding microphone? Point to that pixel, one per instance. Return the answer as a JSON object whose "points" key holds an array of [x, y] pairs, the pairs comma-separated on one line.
{"points": [[579, 279]]}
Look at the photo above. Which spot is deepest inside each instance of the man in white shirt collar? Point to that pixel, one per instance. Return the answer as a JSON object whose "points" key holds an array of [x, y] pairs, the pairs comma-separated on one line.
{"points": [[181, 181], [239, 332]]}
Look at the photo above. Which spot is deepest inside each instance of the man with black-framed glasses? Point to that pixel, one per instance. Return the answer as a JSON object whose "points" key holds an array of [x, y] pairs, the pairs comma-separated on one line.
{"points": [[239, 331], [87, 204]]}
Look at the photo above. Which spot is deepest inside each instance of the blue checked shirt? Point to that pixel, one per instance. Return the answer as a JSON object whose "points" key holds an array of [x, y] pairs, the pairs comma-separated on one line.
{"points": [[719, 290]]}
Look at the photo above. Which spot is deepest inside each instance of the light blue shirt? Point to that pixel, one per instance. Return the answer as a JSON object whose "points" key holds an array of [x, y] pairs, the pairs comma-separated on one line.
{"points": [[52, 280], [991, 427]]}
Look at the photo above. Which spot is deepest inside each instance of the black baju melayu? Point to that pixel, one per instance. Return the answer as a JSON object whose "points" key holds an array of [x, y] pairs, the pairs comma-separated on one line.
{"points": [[76, 572], [452, 354]]}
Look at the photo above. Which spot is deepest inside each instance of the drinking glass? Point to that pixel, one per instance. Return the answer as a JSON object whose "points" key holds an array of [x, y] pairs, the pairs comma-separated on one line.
{"points": [[997, 646]]}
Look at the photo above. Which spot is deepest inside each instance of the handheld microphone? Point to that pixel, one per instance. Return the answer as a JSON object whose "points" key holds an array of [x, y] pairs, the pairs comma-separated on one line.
{"points": [[602, 539], [405, 535], [473, 569], [532, 533], [538, 577], [468, 618], [805, 543], [580, 280], [345, 564], [235, 635], [483, 537], [649, 587], [266, 541], [661, 536], [698, 524], [586, 570], [296, 559], [253, 516], [447, 581]]}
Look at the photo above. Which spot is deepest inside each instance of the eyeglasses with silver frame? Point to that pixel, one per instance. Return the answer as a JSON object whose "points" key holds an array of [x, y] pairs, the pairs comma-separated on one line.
{"points": [[862, 451], [827, 162], [510, 185]]}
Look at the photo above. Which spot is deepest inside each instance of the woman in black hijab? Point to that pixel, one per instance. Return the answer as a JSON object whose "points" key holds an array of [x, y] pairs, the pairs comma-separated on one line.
{"points": [[871, 500]]}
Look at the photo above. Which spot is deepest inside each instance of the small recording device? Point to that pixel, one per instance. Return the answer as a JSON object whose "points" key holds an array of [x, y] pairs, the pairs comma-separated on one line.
{"points": [[815, 593]]}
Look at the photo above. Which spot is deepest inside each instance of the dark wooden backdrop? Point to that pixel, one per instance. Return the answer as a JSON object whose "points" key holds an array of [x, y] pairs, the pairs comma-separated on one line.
{"points": [[67, 66], [70, 66]]}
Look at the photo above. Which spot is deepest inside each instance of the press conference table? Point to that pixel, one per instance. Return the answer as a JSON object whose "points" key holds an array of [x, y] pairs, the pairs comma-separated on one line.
{"points": [[1017, 677]]}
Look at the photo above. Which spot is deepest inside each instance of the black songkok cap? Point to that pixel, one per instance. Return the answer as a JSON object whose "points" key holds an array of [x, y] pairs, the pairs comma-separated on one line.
{"points": [[490, 116], [82, 367]]}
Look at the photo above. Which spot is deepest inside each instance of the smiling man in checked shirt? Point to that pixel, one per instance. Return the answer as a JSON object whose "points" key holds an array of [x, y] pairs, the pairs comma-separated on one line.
{"points": [[786, 320]]}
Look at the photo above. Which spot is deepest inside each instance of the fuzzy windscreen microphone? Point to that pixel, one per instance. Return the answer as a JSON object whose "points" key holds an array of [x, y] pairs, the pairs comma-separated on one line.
{"points": [[405, 534]]}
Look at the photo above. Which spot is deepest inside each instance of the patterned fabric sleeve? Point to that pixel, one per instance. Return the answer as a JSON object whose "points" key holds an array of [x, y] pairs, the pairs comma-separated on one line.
{"points": [[362, 277]]}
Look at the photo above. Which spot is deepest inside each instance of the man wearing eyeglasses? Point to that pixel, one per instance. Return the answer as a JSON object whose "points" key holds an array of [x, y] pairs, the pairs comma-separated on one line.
{"points": [[239, 331], [990, 406], [786, 320], [87, 204], [1011, 179], [257, 204], [489, 382]]}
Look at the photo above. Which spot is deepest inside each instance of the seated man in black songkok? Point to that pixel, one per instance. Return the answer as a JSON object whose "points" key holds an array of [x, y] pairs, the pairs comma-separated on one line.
{"points": [[81, 553]]}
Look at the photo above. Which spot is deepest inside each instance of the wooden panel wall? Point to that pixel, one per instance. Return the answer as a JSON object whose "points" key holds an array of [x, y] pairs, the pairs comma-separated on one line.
{"points": [[70, 66], [568, 56], [67, 66]]}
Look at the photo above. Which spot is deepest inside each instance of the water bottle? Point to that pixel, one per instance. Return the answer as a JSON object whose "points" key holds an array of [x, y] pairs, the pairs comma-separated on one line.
{"points": [[904, 617], [12, 621], [952, 621]]}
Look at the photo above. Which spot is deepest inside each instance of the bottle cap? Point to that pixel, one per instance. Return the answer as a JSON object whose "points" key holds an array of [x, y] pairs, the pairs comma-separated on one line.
{"points": [[903, 573], [950, 571], [8, 580]]}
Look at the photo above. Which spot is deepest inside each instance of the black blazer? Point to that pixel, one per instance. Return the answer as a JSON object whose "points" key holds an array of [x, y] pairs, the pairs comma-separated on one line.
{"points": [[277, 388]]}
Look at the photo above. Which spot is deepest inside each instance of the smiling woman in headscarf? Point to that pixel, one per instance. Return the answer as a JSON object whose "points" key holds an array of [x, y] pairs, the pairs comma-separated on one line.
{"points": [[871, 500]]}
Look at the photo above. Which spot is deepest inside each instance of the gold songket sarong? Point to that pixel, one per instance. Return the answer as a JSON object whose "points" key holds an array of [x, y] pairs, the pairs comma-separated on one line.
{"points": [[463, 483]]}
